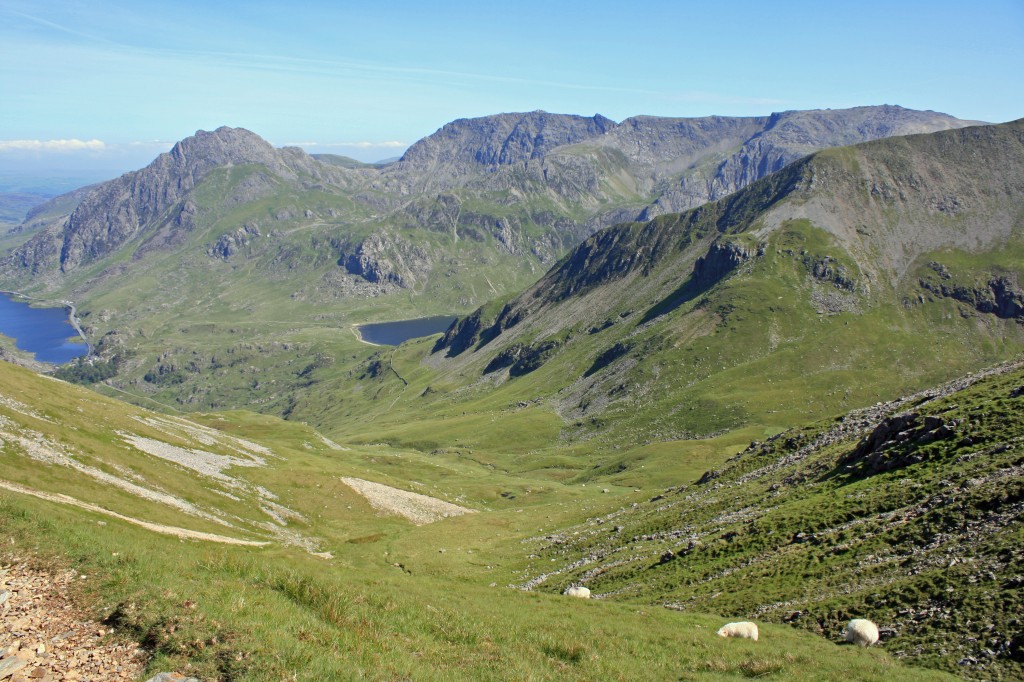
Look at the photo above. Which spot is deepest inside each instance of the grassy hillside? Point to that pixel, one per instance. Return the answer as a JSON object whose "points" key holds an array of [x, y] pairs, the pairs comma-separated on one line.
{"points": [[908, 512], [390, 600], [595, 428]]}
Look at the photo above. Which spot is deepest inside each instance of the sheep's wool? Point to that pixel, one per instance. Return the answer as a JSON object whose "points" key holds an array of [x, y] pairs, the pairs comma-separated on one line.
{"points": [[743, 630], [861, 632]]}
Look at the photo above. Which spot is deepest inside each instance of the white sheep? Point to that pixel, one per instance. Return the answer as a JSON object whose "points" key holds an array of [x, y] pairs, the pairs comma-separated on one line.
{"points": [[577, 591], [743, 630], [861, 632]]}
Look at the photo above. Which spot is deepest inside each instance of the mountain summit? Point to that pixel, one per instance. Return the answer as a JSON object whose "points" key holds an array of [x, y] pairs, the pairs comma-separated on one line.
{"points": [[153, 199]]}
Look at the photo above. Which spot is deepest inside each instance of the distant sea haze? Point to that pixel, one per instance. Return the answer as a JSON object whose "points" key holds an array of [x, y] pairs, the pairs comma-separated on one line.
{"points": [[45, 332]]}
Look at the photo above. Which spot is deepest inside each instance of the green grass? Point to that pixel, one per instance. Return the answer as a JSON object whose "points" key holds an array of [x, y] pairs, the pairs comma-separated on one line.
{"points": [[655, 378], [926, 542], [396, 600], [229, 614]]}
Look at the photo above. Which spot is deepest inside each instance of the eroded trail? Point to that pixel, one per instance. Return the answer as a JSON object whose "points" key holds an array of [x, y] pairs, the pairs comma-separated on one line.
{"points": [[44, 637]]}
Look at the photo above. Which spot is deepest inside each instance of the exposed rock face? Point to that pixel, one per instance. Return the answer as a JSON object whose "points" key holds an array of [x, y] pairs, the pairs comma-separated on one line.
{"points": [[384, 258], [1002, 296], [721, 259], [229, 244], [504, 139], [522, 359], [474, 329], [897, 441]]}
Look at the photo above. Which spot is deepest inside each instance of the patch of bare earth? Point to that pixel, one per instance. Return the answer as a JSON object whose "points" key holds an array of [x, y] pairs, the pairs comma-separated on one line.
{"points": [[419, 509], [46, 638]]}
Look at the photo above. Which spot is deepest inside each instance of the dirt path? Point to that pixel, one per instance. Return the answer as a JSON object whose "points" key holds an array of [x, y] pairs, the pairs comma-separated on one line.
{"points": [[183, 533], [46, 638]]}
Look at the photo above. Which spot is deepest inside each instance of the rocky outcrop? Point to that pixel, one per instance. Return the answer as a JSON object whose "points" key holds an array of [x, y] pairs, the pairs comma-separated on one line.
{"points": [[1001, 296], [521, 360], [388, 259], [228, 245], [476, 329], [721, 259], [898, 441]]}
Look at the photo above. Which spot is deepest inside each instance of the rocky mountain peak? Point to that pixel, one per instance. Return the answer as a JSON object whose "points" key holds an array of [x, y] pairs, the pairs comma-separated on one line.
{"points": [[503, 139], [117, 210], [221, 147]]}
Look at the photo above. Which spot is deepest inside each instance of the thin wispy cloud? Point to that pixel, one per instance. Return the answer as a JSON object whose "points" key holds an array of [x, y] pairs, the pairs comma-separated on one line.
{"points": [[64, 146], [56, 27], [152, 143]]}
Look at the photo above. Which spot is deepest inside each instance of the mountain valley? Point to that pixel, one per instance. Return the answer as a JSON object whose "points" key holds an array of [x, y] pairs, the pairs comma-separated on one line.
{"points": [[763, 367]]}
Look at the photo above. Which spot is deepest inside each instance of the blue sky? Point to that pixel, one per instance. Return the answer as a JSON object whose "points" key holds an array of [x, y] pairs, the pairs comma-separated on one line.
{"points": [[109, 84]]}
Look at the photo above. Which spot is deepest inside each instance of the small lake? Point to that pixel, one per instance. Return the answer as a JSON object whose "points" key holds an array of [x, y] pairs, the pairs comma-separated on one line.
{"points": [[394, 333], [45, 332]]}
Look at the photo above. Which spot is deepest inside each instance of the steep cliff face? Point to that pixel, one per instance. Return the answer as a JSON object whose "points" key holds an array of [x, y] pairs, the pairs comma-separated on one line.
{"points": [[782, 138], [382, 258]]}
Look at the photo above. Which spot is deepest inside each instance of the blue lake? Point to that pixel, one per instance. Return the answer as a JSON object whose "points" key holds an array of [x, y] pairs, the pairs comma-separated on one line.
{"points": [[394, 333], [45, 332]]}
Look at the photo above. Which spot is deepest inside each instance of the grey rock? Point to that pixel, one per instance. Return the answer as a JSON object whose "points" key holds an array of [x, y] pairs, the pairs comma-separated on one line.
{"points": [[11, 665], [386, 258], [227, 245], [504, 139]]}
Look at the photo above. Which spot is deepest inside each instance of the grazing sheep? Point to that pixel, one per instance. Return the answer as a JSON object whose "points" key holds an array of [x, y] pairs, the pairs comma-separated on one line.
{"points": [[743, 630], [578, 591], [861, 632]]}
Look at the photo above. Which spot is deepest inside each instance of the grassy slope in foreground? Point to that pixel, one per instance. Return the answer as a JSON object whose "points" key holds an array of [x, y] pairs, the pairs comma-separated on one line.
{"points": [[908, 512], [379, 609]]}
